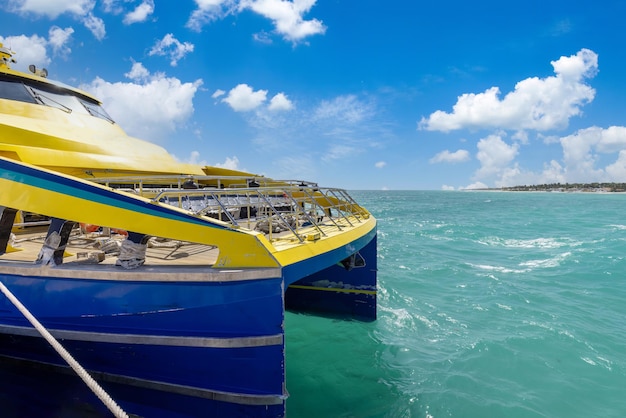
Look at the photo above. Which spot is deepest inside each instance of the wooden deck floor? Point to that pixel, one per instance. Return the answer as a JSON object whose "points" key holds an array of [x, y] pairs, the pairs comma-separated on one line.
{"points": [[99, 248]]}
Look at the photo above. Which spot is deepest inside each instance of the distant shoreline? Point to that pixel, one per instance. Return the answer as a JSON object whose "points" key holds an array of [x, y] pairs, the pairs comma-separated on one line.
{"points": [[565, 188]]}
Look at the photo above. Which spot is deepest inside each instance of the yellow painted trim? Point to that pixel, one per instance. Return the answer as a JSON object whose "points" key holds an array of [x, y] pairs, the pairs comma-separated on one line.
{"points": [[238, 249], [287, 254]]}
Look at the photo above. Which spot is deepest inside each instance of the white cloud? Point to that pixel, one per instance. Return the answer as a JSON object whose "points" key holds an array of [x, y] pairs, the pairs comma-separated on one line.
{"points": [[194, 159], [229, 163], [280, 102], [446, 156], [242, 98], [287, 17], [58, 39], [79, 9], [617, 171], [138, 72], [149, 107], [28, 50], [581, 152], [539, 104], [218, 93], [348, 109], [112, 6], [95, 25], [447, 188], [475, 186], [52, 8], [171, 47], [140, 14], [208, 11], [553, 172], [494, 155], [380, 164]]}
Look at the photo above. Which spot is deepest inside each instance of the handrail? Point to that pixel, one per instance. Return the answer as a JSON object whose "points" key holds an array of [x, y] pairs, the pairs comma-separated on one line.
{"points": [[284, 205]]}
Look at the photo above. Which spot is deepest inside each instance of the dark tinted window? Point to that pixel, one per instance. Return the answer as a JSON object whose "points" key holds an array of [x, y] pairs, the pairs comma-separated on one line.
{"points": [[15, 91]]}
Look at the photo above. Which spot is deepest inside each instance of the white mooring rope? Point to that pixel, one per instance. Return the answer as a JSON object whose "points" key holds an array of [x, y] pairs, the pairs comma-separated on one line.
{"points": [[82, 373]]}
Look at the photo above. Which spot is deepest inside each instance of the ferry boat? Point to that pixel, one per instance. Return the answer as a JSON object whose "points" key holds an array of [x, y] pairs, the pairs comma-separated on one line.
{"points": [[166, 282]]}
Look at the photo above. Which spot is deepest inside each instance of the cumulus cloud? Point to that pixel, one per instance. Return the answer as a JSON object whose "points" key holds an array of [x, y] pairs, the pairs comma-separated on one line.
{"points": [[231, 163], [475, 186], [82, 10], [150, 106], [243, 98], [617, 171], [28, 50], [280, 102], [581, 153], [171, 47], [34, 49], [209, 10], [59, 38], [287, 16], [194, 159], [140, 13], [138, 73], [589, 155], [494, 156], [52, 8], [446, 156], [380, 164], [536, 103], [95, 25]]}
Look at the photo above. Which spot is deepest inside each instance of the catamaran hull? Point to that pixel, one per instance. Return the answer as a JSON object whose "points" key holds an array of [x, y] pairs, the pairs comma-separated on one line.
{"points": [[216, 346], [346, 288]]}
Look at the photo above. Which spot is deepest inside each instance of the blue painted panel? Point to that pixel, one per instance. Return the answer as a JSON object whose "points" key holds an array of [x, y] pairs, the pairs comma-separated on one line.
{"points": [[250, 370], [337, 303], [216, 310], [225, 309], [41, 391], [303, 268]]}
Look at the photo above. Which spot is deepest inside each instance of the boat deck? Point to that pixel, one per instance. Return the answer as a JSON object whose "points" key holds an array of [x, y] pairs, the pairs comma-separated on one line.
{"points": [[166, 260], [103, 248]]}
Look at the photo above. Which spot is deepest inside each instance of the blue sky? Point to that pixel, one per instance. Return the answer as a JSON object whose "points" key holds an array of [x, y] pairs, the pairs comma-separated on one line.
{"points": [[361, 95]]}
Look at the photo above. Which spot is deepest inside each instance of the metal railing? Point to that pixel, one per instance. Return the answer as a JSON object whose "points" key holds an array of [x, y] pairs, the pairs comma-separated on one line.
{"points": [[270, 206]]}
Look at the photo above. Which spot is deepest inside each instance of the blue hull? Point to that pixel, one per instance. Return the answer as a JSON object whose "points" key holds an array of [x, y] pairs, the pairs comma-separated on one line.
{"points": [[339, 290], [34, 390], [216, 346], [189, 347]]}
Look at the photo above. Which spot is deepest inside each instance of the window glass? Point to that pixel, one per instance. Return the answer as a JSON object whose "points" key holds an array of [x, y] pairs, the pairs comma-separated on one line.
{"points": [[61, 99], [96, 110], [64, 102], [15, 91]]}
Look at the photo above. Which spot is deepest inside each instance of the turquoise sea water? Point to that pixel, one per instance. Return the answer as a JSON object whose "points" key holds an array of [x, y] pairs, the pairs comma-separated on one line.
{"points": [[491, 304]]}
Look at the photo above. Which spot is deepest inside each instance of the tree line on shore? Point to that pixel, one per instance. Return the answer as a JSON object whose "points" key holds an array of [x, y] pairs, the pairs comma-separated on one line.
{"points": [[569, 187]]}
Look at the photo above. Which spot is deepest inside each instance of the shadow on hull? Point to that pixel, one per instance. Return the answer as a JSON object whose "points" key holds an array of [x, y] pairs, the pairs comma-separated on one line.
{"points": [[344, 290]]}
